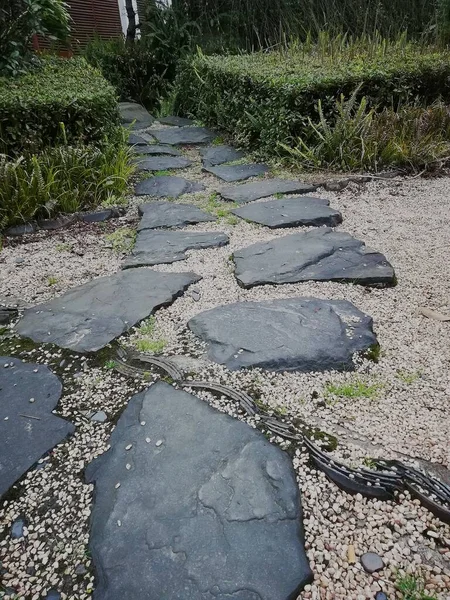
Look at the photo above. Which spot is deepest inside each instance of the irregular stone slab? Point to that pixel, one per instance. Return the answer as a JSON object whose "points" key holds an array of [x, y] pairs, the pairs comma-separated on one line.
{"points": [[177, 121], [131, 111], [162, 247], [21, 229], [27, 429], [290, 212], [156, 149], [318, 255], [90, 316], [162, 163], [177, 136], [217, 155], [207, 508], [167, 186], [136, 140], [170, 214], [237, 172], [296, 334], [7, 314], [248, 192]]}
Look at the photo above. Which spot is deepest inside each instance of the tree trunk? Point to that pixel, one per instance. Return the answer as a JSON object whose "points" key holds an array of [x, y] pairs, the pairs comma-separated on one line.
{"points": [[131, 29]]}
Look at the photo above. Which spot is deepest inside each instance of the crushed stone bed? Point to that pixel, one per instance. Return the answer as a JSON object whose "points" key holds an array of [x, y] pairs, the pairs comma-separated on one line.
{"points": [[406, 414]]}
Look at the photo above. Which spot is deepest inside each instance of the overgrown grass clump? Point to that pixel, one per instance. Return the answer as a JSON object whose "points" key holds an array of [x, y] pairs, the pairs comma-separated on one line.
{"points": [[57, 90], [64, 179], [296, 99]]}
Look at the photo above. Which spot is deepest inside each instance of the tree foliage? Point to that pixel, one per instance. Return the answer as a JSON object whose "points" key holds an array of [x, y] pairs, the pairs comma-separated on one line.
{"points": [[20, 20]]}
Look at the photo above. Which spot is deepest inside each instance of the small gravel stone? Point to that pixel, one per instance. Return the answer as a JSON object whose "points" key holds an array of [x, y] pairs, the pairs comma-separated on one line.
{"points": [[372, 562]]}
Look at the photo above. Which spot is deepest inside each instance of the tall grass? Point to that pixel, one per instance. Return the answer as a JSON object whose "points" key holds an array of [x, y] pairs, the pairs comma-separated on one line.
{"points": [[261, 23], [64, 179]]}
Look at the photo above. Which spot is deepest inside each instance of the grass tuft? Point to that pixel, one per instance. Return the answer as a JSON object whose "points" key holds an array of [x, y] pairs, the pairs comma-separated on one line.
{"points": [[352, 389]]}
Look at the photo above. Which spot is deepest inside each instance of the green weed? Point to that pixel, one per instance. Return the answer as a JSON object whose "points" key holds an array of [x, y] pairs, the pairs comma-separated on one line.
{"points": [[352, 389], [63, 247], [408, 378], [412, 588], [150, 346], [122, 240], [52, 280], [110, 364]]}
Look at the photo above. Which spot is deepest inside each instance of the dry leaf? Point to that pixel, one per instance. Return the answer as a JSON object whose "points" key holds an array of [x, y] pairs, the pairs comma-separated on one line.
{"points": [[432, 314], [351, 557]]}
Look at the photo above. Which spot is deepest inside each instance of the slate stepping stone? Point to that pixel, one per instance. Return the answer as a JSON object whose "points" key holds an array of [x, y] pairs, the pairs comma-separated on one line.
{"points": [[131, 111], [177, 136], [295, 334], [90, 316], [169, 214], [162, 163], [318, 255], [156, 149], [208, 509], [167, 186], [7, 314], [248, 192], [136, 140], [217, 155], [237, 172], [163, 247], [290, 212], [177, 121], [30, 429]]}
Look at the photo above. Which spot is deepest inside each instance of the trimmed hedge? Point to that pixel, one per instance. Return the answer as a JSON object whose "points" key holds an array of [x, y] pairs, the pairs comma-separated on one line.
{"points": [[266, 99], [68, 91]]}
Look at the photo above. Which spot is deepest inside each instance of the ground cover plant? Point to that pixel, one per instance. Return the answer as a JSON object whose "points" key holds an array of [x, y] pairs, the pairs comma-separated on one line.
{"points": [[64, 179], [315, 96]]}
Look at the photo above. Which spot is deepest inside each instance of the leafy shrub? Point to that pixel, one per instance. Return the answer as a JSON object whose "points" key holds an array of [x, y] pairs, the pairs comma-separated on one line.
{"points": [[266, 99], [57, 91], [362, 138], [143, 70], [19, 21], [63, 179]]}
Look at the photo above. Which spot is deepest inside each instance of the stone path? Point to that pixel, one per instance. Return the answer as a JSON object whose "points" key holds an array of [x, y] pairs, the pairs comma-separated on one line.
{"points": [[191, 503], [87, 318], [28, 429], [299, 334]]}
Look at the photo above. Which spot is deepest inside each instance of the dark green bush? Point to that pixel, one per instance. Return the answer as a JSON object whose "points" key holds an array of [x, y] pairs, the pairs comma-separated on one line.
{"points": [[266, 99], [33, 105]]}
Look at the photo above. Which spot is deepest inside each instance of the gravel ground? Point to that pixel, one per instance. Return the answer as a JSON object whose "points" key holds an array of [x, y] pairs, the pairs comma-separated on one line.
{"points": [[406, 415]]}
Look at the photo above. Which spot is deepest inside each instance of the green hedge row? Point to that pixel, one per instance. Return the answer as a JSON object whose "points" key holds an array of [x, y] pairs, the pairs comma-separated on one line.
{"points": [[265, 99], [68, 91]]}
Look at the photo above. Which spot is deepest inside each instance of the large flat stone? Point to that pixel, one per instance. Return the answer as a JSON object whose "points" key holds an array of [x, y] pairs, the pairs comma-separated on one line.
{"points": [[177, 136], [290, 212], [90, 316], [162, 163], [296, 334], [318, 255], [27, 429], [248, 192], [156, 149], [131, 111], [136, 140], [176, 121], [237, 172], [218, 155], [169, 214], [167, 186], [207, 509], [162, 247]]}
